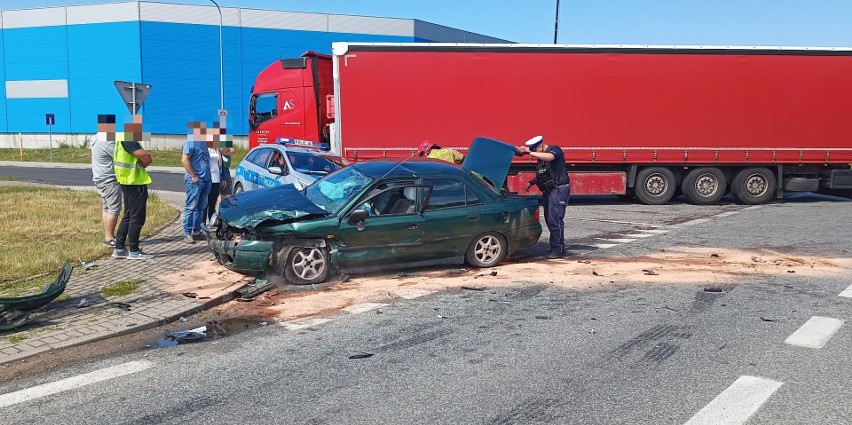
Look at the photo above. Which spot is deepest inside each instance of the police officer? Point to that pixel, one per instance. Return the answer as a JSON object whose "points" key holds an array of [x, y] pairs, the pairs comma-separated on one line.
{"points": [[553, 182]]}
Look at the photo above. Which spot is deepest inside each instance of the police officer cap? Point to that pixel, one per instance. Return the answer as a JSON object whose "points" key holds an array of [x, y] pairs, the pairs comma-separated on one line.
{"points": [[534, 143]]}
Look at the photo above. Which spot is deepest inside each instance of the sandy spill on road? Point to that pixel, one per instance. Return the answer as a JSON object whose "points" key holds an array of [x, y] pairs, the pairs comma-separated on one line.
{"points": [[671, 266]]}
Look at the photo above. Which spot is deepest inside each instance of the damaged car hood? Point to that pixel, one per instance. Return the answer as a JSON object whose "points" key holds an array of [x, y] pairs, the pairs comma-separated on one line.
{"points": [[280, 204]]}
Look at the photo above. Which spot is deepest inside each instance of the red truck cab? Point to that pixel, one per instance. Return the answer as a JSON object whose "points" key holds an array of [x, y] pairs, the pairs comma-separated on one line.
{"points": [[290, 99]]}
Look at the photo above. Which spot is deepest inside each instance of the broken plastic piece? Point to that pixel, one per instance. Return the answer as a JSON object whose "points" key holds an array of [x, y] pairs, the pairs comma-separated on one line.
{"points": [[361, 355], [190, 294], [649, 272], [192, 335], [713, 289], [473, 288]]}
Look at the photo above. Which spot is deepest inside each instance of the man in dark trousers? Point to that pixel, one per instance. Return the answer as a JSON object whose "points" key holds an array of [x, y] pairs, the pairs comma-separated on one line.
{"points": [[553, 182], [130, 161]]}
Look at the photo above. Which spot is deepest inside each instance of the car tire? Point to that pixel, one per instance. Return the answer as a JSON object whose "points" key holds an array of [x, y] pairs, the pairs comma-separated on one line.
{"points": [[307, 266], [238, 188], [753, 186], [486, 250], [655, 185], [704, 186]]}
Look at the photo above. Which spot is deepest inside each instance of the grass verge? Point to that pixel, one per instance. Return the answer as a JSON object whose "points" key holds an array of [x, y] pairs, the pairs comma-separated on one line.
{"points": [[120, 289], [45, 227], [161, 158]]}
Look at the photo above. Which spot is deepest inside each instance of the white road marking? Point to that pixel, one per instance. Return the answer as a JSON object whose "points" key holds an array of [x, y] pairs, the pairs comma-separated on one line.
{"points": [[44, 390], [616, 240], [640, 235], [302, 324], [693, 222], [727, 214], [737, 403], [360, 308], [604, 245], [815, 332], [600, 220], [847, 292], [654, 231], [412, 293]]}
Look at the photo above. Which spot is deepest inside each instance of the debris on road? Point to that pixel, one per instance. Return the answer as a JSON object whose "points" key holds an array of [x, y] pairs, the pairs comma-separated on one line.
{"points": [[791, 271], [494, 273], [767, 319], [84, 303], [714, 255], [86, 266], [473, 288], [757, 259], [585, 261], [595, 273], [190, 294], [258, 286], [343, 278], [649, 272], [192, 335], [715, 289], [592, 331], [182, 319], [360, 356], [543, 317]]}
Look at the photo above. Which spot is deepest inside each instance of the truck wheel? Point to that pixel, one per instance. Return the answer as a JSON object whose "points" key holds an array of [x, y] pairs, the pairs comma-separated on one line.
{"points": [[704, 186], [655, 185], [306, 266], [486, 250], [753, 186]]}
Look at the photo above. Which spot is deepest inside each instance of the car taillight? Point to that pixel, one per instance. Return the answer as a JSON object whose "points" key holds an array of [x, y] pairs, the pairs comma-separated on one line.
{"points": [[537, 213]]}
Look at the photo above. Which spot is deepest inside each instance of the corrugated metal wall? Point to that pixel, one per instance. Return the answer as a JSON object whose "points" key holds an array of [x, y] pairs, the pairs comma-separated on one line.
{"points": [[175, 48]]}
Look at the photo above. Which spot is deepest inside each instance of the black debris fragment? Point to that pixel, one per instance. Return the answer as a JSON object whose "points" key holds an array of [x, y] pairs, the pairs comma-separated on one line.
{"points": [[190, 294], [649, 272], [714, 255], [767, 319], [473, 288], [494, 273], [585, 261], [344, 278], [595, 273], [715, 289], [543, 317], [360, 356]]}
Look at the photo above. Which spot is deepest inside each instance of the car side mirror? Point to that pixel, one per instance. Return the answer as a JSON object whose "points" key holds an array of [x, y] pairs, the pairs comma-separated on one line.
{"points": [[357, 216], [278, 170]]}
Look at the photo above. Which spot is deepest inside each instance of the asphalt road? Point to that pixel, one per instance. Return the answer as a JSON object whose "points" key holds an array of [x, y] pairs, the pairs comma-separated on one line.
{"points": [[83, 177], [617, 354]]}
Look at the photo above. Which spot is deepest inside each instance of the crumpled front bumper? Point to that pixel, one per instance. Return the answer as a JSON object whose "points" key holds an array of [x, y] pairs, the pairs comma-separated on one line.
{"points": [[246, 257]]}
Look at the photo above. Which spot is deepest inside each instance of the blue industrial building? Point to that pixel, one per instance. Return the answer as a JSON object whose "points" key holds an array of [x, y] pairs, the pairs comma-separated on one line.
{"points": [[64, 60]]}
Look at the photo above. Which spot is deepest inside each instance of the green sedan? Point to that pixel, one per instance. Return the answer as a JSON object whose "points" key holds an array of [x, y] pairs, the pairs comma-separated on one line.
{"points": [[379, 215]]}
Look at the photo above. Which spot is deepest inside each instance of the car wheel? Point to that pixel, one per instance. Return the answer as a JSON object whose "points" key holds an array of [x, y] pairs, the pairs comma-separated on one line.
{"points": [[753, 186], [238, 188], [486, 250], [306, 266], [655, 185]]}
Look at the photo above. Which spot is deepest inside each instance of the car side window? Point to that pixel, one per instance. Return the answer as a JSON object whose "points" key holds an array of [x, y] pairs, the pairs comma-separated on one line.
{"points": [[447, 193], [262, 157], [252, 156], [471, 197], [392, 201]]}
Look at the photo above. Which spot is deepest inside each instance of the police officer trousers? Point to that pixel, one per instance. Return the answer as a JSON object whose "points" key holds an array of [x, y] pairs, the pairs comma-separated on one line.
{"points": [[554, 202]]}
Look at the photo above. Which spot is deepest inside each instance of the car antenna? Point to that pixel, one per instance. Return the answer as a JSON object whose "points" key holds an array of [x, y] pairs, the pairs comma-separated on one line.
{"points": [[395, 167]]}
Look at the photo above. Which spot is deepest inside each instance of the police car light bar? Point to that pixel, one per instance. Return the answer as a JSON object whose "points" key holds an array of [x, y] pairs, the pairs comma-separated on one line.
{"points": [[286, 141]]}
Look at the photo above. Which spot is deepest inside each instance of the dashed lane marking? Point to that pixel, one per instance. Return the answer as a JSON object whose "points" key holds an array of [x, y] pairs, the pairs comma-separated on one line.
{"points": [[44, 390], [363, 307], [640, 235], [815, 333], [693, 222], [303, 324], [737, 403], [847, 292]]}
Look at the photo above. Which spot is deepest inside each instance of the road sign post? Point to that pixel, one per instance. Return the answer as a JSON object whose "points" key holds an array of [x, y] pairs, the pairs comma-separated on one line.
{"points": [[50, 120]]}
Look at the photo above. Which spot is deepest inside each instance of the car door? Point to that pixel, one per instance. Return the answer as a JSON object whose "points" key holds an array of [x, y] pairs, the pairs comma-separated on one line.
{"points": [[390, 236], [258, 166], [453, 217]]}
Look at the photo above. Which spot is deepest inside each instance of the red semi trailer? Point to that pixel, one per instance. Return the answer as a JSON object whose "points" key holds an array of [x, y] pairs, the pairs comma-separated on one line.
{"points": [[648, 121]]}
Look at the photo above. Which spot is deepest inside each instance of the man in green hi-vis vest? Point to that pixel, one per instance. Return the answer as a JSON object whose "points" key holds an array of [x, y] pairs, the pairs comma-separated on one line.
{"points": [[130, 160]]}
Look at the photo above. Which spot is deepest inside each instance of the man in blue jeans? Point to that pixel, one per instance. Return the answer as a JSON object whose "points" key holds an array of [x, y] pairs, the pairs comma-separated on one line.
{"points": [[196, 162], [552, 180]]}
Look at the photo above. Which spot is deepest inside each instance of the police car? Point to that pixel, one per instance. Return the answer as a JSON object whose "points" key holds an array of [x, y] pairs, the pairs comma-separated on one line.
{"points": [[287, 161]]}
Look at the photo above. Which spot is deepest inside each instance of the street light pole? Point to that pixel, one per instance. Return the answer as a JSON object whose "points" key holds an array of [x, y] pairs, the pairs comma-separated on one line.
{"points": [[221, 61], [555, 24]]}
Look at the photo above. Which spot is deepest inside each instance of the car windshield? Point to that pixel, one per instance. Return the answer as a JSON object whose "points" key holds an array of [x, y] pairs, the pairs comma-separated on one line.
{"points": [[334, 191], [309, 163]]}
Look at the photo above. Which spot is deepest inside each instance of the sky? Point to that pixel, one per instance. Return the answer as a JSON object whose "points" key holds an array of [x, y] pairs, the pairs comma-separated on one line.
{"points": [[816, 23]]}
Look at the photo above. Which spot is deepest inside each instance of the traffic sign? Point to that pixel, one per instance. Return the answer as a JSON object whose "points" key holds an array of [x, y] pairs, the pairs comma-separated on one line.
{"points": [[49, 119], [133, 94]]}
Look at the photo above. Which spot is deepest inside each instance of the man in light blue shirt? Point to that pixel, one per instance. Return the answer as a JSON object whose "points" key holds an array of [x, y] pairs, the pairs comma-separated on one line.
{"points": [[196, 162]]}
